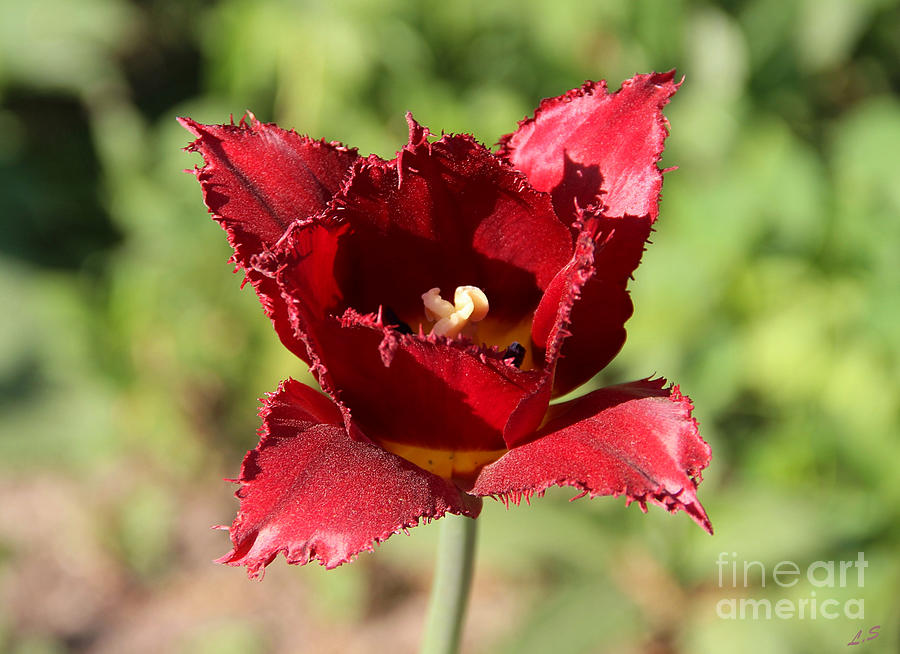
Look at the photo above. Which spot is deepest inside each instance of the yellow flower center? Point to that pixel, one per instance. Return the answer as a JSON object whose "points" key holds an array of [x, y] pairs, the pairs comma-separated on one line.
{"points": [[467, 315], [449, 464]]}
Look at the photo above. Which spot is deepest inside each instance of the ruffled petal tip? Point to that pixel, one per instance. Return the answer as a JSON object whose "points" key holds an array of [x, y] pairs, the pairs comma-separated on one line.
{"points": [[312, 493], [593, 146], [637, 440]]}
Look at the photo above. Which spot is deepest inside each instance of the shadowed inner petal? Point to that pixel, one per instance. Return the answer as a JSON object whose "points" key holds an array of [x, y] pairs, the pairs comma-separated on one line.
{"points": [[394, 267], [444, 215], [432, 395]]}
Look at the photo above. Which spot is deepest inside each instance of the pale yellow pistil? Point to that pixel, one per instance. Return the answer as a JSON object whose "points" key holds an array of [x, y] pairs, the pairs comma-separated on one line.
{"points": [[470, 305]]}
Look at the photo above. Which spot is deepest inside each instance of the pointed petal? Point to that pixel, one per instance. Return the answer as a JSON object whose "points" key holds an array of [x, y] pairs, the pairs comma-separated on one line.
{"points": [[589, 144], [637, 440], [311, 492], [257, 180], [446, 214]]}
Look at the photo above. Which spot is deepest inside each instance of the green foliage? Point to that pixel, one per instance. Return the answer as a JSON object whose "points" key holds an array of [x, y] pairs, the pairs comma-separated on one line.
{"points": [[130, 362]]}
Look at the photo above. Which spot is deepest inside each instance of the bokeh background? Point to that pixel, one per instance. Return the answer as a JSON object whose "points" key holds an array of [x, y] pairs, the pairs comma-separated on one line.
{"points": [[131, 363]]}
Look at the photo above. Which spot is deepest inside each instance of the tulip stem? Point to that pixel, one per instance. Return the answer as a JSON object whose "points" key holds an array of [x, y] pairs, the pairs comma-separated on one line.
{"points": [[450, 588]]}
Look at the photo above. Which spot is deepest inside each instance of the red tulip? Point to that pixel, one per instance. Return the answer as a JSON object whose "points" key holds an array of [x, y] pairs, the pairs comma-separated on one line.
{"points": [[435, 401]]}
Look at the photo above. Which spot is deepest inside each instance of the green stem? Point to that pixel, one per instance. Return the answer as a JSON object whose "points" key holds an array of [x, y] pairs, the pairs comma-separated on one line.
{"points": [[450, 589]]}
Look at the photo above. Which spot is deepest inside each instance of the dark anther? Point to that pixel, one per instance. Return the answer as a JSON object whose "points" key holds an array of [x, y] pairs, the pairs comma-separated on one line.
{"points": [[516, 352], [389, 317]]}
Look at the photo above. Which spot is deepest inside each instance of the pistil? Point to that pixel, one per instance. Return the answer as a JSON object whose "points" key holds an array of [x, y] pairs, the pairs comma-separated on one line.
{"points": [[470, 305]]}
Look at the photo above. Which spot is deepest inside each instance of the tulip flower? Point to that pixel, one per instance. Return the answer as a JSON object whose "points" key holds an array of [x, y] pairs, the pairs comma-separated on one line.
{"points": [[442, 299]]}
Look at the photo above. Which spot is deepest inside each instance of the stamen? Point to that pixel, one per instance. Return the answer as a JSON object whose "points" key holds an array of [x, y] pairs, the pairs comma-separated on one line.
{"points": [[516, 352], [470, 306], [390, 317]]}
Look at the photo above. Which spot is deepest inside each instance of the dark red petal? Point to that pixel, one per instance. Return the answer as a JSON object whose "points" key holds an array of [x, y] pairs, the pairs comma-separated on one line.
{"points": [[311, 492], [419, 390], [586, 289], [552, 317], [257, 180], [637, 440], [589, 143], [588, 302], [446, 214], [550, 327], [580, 146]]}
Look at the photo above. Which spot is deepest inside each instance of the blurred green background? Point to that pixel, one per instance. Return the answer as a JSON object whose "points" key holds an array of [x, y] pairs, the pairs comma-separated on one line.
{"points": [[130, 362]]}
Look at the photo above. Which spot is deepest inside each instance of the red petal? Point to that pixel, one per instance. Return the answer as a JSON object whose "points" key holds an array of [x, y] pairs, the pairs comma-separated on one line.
{"points": [[580, 319], [256, 181], [589, 142], [588, 303], [552, 319], [579, 146], [445, 214], [420, 390], [550, 327], [636, 439], [310, 491]]}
